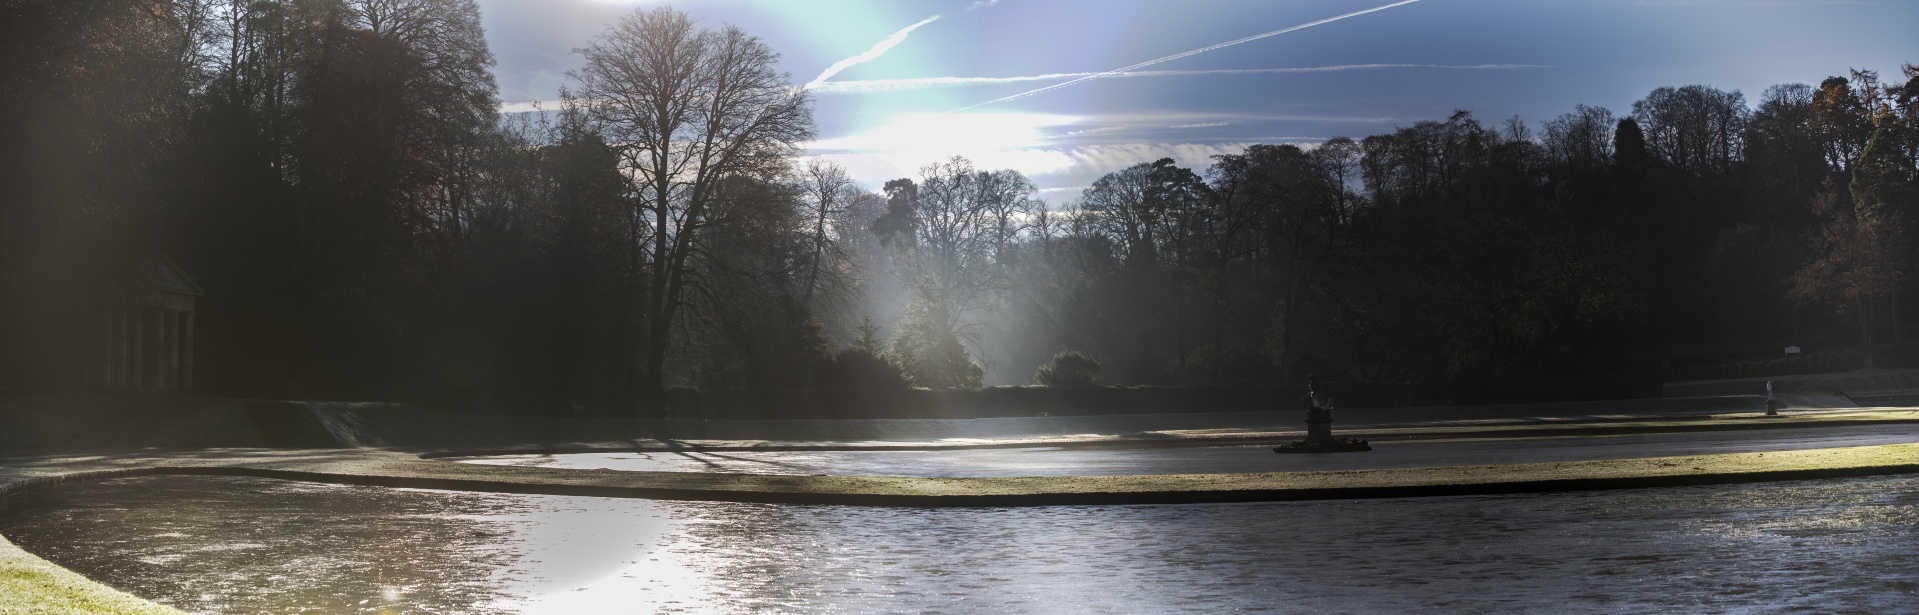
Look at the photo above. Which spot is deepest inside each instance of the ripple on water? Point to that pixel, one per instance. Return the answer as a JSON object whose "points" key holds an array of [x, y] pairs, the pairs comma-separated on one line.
{"points": [[239, 545]]}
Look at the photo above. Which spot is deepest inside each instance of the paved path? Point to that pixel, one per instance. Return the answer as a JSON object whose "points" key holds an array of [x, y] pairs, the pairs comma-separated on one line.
{"points": [[1104, 461], [1421, 469]]}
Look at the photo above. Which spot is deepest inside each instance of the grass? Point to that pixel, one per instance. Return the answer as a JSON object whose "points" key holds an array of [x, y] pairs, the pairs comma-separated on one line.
{"points": [[29, 584], [399, 470]]}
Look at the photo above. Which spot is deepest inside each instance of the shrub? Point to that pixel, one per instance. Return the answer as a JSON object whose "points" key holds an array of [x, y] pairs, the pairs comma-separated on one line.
{"points": [[1069, 368], [856, 368], [864, 365]]}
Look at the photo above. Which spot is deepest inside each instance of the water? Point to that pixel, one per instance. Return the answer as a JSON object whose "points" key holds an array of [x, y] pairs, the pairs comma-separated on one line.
{"points": [[239, 545]]}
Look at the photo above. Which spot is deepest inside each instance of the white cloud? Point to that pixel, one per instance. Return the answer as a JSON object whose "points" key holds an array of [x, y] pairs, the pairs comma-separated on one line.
{"points": [[894, 85], [1003, 141], [529, 106], [1186, 120], [1095, 131], [1103, 159], [1053, 150], [952, 130], [907, 142]]}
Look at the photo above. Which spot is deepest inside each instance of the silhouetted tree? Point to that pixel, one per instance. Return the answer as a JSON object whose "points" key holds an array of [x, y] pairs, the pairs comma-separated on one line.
{"points": [[927, 342], [1857, 258], [689, 109]]}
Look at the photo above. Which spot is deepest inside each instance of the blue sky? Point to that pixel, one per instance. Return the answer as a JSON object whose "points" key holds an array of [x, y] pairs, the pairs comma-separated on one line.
{"points": [[1365, 74]]}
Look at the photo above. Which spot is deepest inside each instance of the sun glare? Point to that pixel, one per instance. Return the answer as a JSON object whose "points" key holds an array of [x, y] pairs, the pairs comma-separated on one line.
{"points": [[907, 142]]}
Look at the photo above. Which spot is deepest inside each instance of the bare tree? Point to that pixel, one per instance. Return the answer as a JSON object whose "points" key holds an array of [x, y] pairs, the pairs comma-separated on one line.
{"points": [[1302, 212], [1006, 195], [1581, 140], [953, 239], [1695, 128], [1116, 205], [688, 108], [828, 193]]}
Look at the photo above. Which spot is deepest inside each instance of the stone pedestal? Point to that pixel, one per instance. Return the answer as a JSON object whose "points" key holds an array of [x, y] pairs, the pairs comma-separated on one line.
{"points": [[1319, 425], [1319, 436]]}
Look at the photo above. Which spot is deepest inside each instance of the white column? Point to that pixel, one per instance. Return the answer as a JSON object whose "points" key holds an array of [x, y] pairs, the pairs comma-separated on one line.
{"points": [[170, 350], [120, 345], [137, 368], [157, 374], [186, 351], [106, 347]]}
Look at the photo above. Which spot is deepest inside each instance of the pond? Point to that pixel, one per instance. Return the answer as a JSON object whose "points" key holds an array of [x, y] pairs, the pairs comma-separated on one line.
{"points": [[243, 545]]}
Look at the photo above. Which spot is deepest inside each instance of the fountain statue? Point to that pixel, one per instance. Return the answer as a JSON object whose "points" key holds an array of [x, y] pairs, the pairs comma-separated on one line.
{"points": [[1319, 427], [1772, 405]]}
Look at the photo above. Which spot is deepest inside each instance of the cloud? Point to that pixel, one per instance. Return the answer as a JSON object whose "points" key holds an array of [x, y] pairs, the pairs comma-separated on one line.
{"points": [[1201, 125], [894, 85], [1102, 159], [529, 106], [1053, 149], [876, 51], [980, 4], [1058, 169], [1177, 56], [1188, 119]]}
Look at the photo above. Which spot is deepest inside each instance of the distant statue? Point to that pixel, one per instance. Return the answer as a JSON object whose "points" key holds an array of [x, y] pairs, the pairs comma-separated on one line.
{"points": [[1772, 406], [1314, 396], [1319, 427]]}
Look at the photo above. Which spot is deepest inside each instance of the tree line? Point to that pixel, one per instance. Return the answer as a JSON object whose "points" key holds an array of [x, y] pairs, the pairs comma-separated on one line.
{"points": [[367, 225]]}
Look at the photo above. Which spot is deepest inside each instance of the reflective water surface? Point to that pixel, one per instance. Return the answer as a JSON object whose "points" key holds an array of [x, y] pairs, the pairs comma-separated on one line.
{"points": [[235, 545]]}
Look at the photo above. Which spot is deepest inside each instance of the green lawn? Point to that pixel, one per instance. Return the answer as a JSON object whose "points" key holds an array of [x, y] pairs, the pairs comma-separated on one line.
{"points": [[29, 584]]}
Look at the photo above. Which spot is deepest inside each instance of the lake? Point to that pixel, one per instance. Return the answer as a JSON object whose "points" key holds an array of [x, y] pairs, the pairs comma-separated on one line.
{"points": [[245, 545]]}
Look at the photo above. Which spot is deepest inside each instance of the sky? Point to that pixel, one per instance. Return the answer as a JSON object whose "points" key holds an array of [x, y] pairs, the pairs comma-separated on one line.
{"points": [[898, 84]]}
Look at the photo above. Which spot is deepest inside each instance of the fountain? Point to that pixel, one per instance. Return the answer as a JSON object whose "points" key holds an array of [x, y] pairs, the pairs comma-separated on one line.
{"points": [[1319, 427]]}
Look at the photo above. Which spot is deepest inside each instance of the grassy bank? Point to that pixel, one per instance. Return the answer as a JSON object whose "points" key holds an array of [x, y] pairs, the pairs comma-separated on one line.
{"points": [[29, 584], [402, 470]]}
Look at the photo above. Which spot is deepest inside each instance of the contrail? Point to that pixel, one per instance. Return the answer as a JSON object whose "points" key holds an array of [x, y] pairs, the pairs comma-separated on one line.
{"points": [[894, 85], [878, 48], [1184, 54]]}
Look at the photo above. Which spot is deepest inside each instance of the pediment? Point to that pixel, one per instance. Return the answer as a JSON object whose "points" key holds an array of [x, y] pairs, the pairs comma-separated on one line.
{"points": [[162, 274]]}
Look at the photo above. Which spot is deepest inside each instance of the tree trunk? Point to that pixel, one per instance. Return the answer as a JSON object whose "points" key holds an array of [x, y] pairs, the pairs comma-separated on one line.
{"points": [[819, 251], [1865, 327], [1219, 328], [1179, 331], [1895, 317], [1286, 340]]}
